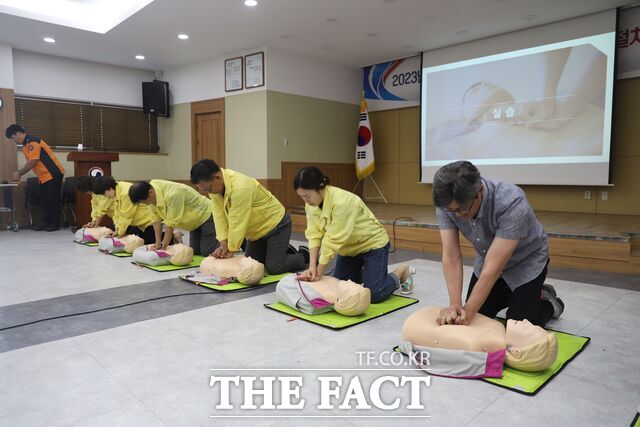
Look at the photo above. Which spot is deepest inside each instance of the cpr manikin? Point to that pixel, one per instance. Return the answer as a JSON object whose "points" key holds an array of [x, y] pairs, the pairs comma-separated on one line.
{"points": [[114, 245], [178, 255], [328, 293], [478, 349], [91, 235], [245, 270]]}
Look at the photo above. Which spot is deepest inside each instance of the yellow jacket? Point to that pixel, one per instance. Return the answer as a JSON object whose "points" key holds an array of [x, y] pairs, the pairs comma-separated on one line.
{"points": [[179, 206], [101, 205], [125, 213], [247, 210], [344, 225]]}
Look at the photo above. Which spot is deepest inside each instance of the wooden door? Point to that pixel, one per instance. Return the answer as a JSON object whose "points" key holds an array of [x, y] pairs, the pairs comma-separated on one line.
{"points": [[208, 137], [208, 131]]}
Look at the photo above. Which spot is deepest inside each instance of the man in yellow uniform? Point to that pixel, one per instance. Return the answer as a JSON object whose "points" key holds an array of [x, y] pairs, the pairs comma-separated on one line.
{"points": [[128, 218], [46, 166], [177, 206], [100, 204], [243, 208]]}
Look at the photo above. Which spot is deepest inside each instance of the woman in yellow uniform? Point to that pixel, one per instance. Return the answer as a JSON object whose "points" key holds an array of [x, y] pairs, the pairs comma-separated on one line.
{"points": [[178, 206], [100, 204], [341, 226], [128, 218], [243, 208]]}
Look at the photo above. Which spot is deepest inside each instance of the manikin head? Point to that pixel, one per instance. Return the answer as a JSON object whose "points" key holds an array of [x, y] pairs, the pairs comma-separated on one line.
{"points": [[180, 254], [91, 234], [132, 242], [352, 299], [530, 347], [252, 271]]}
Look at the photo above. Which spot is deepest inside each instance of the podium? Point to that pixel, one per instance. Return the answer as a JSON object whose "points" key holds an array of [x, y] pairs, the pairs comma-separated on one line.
{"points": [[94, 164]]}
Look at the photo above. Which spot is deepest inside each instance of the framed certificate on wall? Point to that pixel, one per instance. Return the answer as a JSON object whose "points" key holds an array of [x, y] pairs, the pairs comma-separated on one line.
{"points": [[233, 74], [254, 70]]}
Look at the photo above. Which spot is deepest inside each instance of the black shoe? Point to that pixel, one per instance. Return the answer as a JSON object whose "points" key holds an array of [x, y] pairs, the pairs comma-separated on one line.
{"points": [[53, 228], [292, 249], [39, 228], [305, 253], [549, 294]]}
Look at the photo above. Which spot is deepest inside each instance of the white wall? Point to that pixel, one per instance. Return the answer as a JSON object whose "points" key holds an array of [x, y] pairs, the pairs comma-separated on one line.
{"points": [[284, 72], [299, 75], [64, 78], [6, 66], [204, 80]]}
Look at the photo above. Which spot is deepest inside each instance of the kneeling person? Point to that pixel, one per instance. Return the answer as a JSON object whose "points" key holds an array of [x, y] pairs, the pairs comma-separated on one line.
{"points": [[243, 208], [177, 206]]}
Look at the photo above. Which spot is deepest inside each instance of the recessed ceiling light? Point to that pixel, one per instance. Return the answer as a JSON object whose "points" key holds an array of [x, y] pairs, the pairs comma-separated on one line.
{"points": [[98, 16], [372, 34], [140, 57], [429, 18], [327, 48], [331, 20], [406, 46], [462, 33], [49, 39], [250, 3], [285, 36], [529, 17], [183, 36]]}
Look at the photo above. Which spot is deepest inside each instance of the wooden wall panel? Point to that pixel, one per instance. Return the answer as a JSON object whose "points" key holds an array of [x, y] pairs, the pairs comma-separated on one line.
{"points": [[8, 149]]}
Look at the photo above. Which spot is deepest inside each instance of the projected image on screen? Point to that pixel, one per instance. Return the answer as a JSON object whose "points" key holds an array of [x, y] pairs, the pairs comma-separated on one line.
{"points": [[534, 106], [546, 105]]}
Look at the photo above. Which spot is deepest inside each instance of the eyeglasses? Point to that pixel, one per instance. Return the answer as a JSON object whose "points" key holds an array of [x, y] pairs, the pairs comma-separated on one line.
{"points": [[463, 211]]}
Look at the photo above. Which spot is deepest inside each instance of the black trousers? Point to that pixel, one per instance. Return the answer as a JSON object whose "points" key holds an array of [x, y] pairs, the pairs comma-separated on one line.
{"points": [[271, 250], [525, 302], [203, 239], [148, 234], [50, 192]]}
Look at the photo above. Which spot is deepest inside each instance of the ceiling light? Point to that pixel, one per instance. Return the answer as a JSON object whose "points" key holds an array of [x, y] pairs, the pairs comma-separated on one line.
{"points": [[529, 17], [372, 34], [98, 16], [250, 3], [140, 57], [49, 39], [183, 36], [331, 20]]}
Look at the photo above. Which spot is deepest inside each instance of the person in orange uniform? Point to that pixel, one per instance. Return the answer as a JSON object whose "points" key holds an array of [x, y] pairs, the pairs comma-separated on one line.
{"points": [[46, 166]]}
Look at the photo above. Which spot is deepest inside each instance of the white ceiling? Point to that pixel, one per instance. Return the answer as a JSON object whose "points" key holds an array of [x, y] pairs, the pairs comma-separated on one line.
{"points": [[349, 32]]}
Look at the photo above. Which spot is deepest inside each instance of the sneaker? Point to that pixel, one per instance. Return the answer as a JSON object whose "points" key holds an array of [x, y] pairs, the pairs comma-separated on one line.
{"points": [[406, 287], [305, 253], [52, 228], [549, 294], [292, 249], [39, 228]]}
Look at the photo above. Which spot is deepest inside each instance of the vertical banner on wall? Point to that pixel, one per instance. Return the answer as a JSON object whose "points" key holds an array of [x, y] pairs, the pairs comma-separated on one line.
{"points": [[628, 43], [365, 162], [393, 84]]}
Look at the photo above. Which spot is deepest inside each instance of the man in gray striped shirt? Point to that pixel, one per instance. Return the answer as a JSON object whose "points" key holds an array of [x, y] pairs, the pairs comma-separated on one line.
{"points": [[510, 243]]}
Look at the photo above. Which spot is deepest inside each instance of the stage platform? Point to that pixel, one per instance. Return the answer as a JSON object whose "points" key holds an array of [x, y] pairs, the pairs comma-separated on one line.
{"points": [[576, 240]]}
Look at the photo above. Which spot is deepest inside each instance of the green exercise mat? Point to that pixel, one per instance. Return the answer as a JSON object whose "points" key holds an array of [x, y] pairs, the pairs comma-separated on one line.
{"points": [[91, 244], [530, 383], [235, 286], [197, 259], [122, 254], [337, 321]]}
